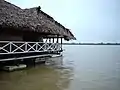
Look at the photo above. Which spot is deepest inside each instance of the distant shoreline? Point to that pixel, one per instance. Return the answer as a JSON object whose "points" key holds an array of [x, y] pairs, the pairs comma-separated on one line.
{"points": [[91, 43]]}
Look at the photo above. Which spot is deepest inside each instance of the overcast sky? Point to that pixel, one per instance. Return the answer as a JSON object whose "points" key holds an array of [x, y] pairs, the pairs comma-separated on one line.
{"points": [[89, 20]]}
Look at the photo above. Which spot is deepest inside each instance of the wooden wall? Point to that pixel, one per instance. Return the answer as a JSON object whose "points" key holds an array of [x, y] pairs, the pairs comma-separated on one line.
{"points": [[19, 35], [8, 37]]}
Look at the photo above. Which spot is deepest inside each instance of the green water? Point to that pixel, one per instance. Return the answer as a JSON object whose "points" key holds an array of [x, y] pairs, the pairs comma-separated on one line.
{"points": [[81, 68]]}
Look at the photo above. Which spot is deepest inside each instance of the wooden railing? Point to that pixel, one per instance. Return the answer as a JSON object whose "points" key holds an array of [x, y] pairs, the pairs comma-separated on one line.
{"points": [[9, 47]]}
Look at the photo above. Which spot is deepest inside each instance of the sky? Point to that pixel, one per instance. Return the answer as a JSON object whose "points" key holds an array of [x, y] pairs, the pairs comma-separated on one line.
{"points": [[89, 20]]}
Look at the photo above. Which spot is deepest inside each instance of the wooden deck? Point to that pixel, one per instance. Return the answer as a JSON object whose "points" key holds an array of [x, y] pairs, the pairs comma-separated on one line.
{"points": [[13, 50]]}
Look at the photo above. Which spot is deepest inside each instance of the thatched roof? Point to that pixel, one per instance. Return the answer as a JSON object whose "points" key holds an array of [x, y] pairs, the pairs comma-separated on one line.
{"points": [[32, 19]]}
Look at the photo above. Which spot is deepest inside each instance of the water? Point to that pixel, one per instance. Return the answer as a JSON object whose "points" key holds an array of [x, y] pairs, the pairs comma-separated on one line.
{"points": [[81, 68]]}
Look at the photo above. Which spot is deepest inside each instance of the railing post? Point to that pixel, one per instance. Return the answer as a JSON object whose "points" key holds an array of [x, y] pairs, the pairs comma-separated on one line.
{"points": [[10, 46], [49, 40], [46, 46], [53, 40], [61, 43], [46, 40], [57, 42], [26, 46], [36, 46], [57, 39]]}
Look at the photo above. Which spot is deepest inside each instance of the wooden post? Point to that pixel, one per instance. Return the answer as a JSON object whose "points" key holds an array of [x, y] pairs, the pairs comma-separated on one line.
{"points": [[49, 40], [10, 46], [57, 39], [45, 44], [45, 40], [53, 40], [37, 46], [61, 43], [26, 49], [57, 42]]}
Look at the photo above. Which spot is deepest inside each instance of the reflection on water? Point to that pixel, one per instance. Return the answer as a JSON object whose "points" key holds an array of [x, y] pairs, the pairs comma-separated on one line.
{"points": [[54, 76], [81, 68]]}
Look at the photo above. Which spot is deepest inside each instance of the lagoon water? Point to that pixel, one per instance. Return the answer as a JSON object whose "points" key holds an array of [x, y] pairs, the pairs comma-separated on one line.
{"points": [[80, 68]]}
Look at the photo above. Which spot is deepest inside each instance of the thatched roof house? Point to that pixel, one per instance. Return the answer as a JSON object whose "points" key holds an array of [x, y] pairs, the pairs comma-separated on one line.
{"points": [[15, 20]]}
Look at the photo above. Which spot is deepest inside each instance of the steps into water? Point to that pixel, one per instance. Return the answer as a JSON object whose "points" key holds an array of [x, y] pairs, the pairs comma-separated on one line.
{"points": [[15, 67]]}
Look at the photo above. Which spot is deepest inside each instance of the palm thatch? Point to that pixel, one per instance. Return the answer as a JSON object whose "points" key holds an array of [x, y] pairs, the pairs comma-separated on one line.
{"points": [[32, 19]]}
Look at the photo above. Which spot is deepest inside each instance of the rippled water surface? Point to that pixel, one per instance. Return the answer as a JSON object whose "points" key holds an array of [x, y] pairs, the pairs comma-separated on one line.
{"points": [[81, 68]]}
